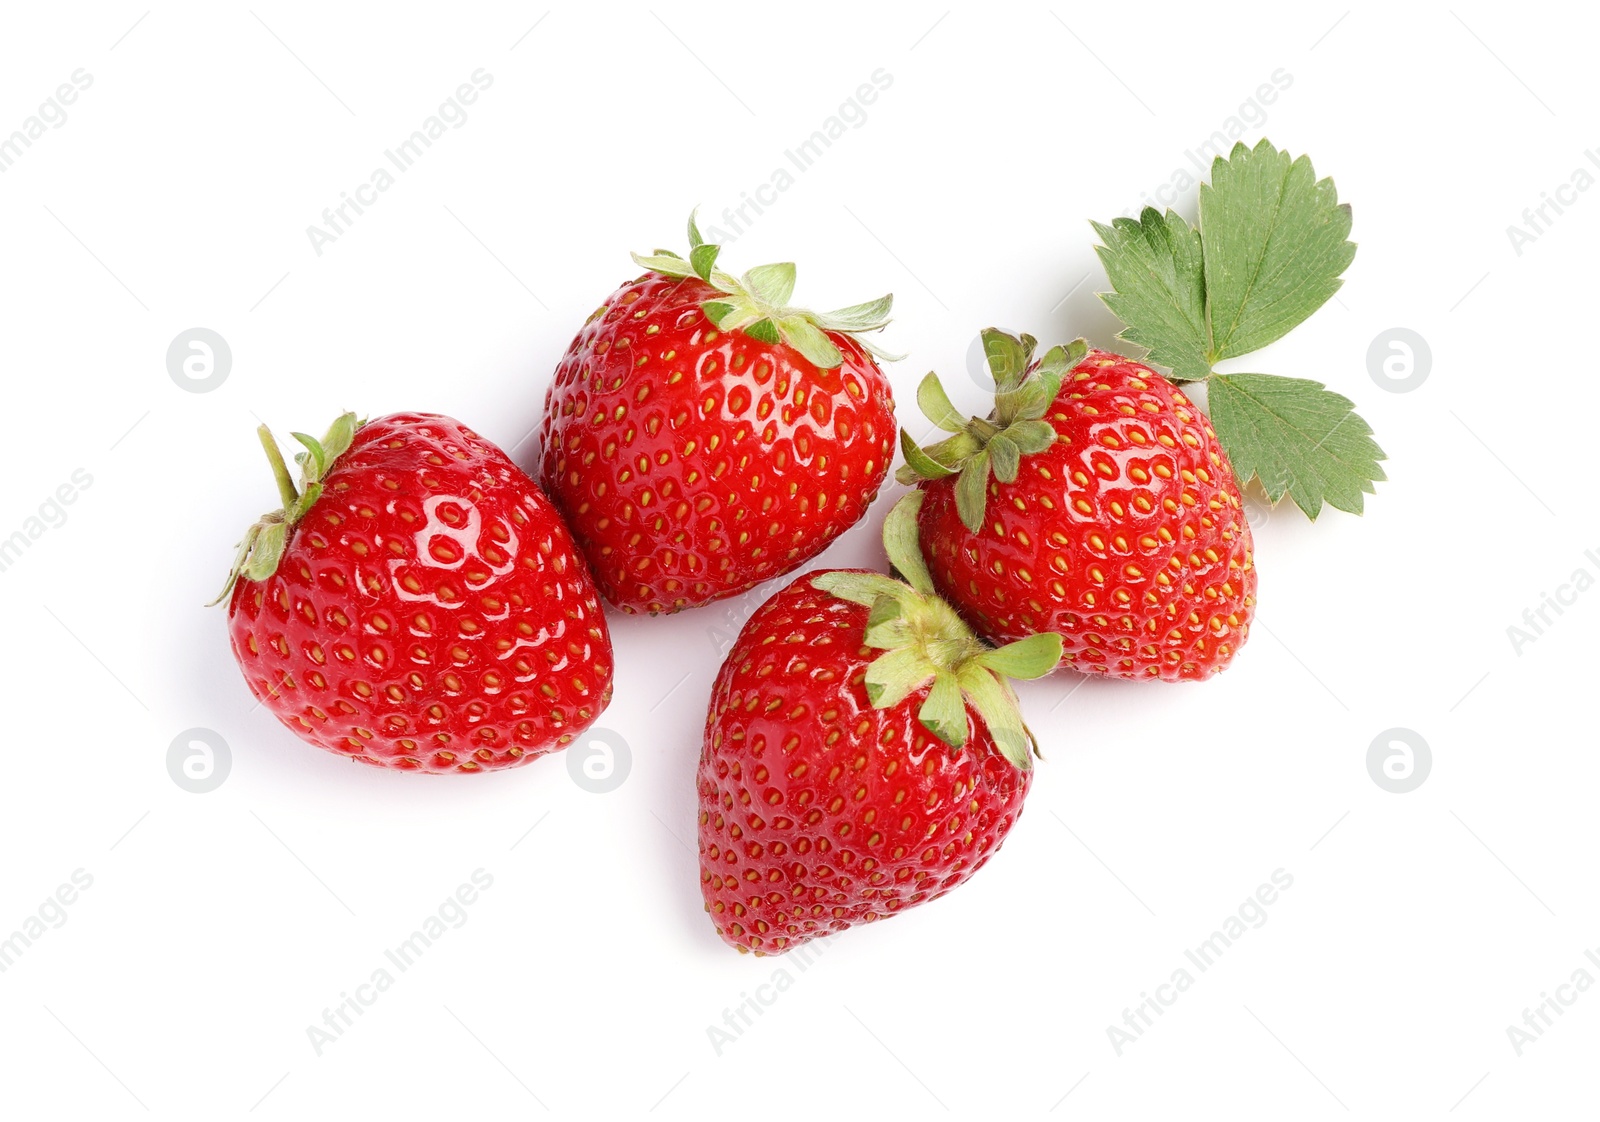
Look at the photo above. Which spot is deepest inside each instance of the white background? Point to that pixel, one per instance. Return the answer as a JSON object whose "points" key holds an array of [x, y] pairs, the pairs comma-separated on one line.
{"points": [[220, 926]]}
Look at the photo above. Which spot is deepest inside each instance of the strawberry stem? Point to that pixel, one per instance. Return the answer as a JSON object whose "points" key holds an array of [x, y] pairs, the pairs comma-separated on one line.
{"points": [[758, 304], [927, 644], [280, 470], [263, 544]]}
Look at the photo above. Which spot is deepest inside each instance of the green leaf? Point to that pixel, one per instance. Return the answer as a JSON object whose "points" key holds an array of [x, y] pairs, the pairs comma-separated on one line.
{"points": [[886, 629], [902, 541], [811, 341], [717, 310], [922, 465], [308, 499], [1005, 458], [772, 285], [996, 703], [1157, 268], [893, 676], [1031, 400], [1033, 657], [241, 555], [318, 465], [340, 435], [937, 460], [935, 405], [972, 491], [1031, 436], [1062, 359], [1276, 240], [884, 609], [1296, 436], [953, 451], [872, 348], [266, 551], [944, 712], [869, 316], [1053, 361], [668, 264], [763, 330], [858, 588], [695, 240], [724, 282], [702, 258], [1007, 356]]}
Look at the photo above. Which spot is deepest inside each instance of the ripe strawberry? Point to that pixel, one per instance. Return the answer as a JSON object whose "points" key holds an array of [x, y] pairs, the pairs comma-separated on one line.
{"points": [[841, 784], [702, 437], [1094, 502], [417, 603]]}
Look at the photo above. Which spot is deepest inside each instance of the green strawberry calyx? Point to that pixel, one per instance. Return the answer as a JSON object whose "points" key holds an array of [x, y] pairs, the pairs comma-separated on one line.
{"points": [[979, 447], [261, 548], [758, 304], [925, 643]]}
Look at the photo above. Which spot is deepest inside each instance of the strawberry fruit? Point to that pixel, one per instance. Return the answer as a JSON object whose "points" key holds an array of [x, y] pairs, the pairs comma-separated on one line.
{"points": [[417, 603], [863, 753], [1094, 502], [701, 436]]}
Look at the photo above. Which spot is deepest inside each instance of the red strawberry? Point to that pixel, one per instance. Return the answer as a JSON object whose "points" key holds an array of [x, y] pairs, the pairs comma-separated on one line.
{"points": [[702, 437], [417, 603], [863, 753], [1094, 502]]}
